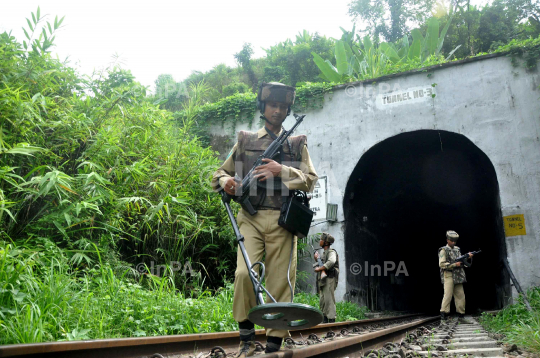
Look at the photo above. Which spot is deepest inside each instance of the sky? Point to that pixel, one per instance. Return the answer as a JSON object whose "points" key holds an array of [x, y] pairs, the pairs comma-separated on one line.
{"points": [[173, 37]]}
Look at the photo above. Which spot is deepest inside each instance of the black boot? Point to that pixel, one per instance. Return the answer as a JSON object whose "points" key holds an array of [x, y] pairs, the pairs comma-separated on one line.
{"points": [[331, 320], [325, 319], [443, 316], [273, 344]]}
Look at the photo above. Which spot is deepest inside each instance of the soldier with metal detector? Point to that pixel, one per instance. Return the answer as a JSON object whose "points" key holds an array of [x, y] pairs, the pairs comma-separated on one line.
{"points": [[265, 188], [451, 264], [327, 269]]}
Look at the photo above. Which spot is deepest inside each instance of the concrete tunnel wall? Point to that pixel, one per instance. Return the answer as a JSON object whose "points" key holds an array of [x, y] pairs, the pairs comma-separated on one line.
{"points": [[489, 102]]}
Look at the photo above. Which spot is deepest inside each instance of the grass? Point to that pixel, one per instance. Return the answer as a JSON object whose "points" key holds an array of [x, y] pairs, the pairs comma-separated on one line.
{"points": [[345, 311], [43, 299], [519, 325]]}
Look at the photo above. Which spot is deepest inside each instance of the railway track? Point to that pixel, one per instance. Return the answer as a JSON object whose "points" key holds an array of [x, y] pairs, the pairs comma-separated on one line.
{"points": [[343, 339]]}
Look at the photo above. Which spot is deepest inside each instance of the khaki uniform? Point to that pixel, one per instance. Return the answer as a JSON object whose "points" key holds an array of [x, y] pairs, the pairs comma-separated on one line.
{"points": [[326, 287], [452, 277], [261, 232]]}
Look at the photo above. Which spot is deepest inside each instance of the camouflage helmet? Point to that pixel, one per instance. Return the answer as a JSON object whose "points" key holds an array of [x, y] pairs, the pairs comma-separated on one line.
{"points": [[452, 235], [326, 237], [275, 92]]}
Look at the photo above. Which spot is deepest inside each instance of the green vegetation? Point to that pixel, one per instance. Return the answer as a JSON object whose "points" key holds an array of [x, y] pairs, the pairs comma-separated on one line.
{"points": [[99, 186], [470, 30], [43, 298], [100, 183], [95, 162], [314, 64], [346, 311], [519, 325], [241, 107], [362, 59]]}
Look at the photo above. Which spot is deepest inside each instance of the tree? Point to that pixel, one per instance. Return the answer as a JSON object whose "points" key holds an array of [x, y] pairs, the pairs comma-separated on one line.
{"points": [[530, 10], [481, 29], [244, 59], [463, 29], [291, 62], [174, 93], [498, 25], [390, 19]]}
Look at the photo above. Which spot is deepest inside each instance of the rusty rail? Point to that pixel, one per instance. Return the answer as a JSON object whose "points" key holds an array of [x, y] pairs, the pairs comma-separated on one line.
{"points": [[354, 346], [190, 343]]}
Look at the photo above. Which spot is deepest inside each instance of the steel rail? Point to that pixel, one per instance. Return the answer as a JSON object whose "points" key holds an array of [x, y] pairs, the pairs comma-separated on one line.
{"points": [[186, 343], [354, 346]]}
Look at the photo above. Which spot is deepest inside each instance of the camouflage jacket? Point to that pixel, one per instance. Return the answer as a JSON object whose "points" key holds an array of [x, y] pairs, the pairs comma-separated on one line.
{"points": [[331, 263], [297, 171], [446, 256], [330, 259]]}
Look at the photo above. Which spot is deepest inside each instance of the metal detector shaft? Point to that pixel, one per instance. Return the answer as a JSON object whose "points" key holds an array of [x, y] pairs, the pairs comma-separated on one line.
{"points": [[240, 238], [276, 315]]}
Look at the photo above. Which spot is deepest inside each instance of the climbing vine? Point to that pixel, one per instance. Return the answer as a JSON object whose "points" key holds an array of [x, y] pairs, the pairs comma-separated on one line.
{"points": [[241, 107], [311, 95], [528, 50]]}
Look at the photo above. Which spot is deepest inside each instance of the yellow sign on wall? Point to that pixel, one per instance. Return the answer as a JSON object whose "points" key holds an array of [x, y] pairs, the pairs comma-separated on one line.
{"points": [[514, 225]]}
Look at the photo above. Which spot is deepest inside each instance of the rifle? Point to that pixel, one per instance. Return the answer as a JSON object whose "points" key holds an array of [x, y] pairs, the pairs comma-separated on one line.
{"points": [[319, 264], [249, 181], [463, 258]]}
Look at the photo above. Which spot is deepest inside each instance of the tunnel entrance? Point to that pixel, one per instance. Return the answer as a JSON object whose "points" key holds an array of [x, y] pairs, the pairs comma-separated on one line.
{"points": [[401, 198]]}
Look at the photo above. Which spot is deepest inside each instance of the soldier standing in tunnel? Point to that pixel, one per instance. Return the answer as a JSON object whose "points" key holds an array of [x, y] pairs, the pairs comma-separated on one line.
{"points": [[452, 276], [327, 285], [292, 170]]}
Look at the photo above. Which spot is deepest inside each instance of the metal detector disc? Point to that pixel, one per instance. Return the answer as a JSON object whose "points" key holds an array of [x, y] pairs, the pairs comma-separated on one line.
{"points": [[285, 316]]}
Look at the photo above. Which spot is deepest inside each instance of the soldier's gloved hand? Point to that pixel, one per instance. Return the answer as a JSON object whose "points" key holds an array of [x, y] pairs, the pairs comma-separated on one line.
{"points": [[458, 264], [266, 171]]}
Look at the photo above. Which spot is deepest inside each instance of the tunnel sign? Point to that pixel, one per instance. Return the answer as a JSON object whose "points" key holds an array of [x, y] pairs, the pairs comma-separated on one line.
{"points": [[514, 225], [405, 96], [318, 201]]}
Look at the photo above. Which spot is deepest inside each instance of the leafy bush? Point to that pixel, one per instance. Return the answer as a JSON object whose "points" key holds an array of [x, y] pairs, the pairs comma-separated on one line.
{"points": [[234, 88], [93, 161], [519, 325], [43, 299]]}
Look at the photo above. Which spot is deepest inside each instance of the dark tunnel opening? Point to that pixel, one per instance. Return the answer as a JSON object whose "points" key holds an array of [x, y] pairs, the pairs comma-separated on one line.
{"points": [[400, 200]]}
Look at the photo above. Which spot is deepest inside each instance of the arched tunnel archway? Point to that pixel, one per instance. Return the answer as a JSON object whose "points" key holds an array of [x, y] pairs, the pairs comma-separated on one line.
{"points": [[401, 198]]}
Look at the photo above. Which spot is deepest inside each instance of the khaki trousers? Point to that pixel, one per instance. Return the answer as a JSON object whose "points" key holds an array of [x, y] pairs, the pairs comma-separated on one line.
{"points": [[263, 235], [327, 300], [451, 289]]}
